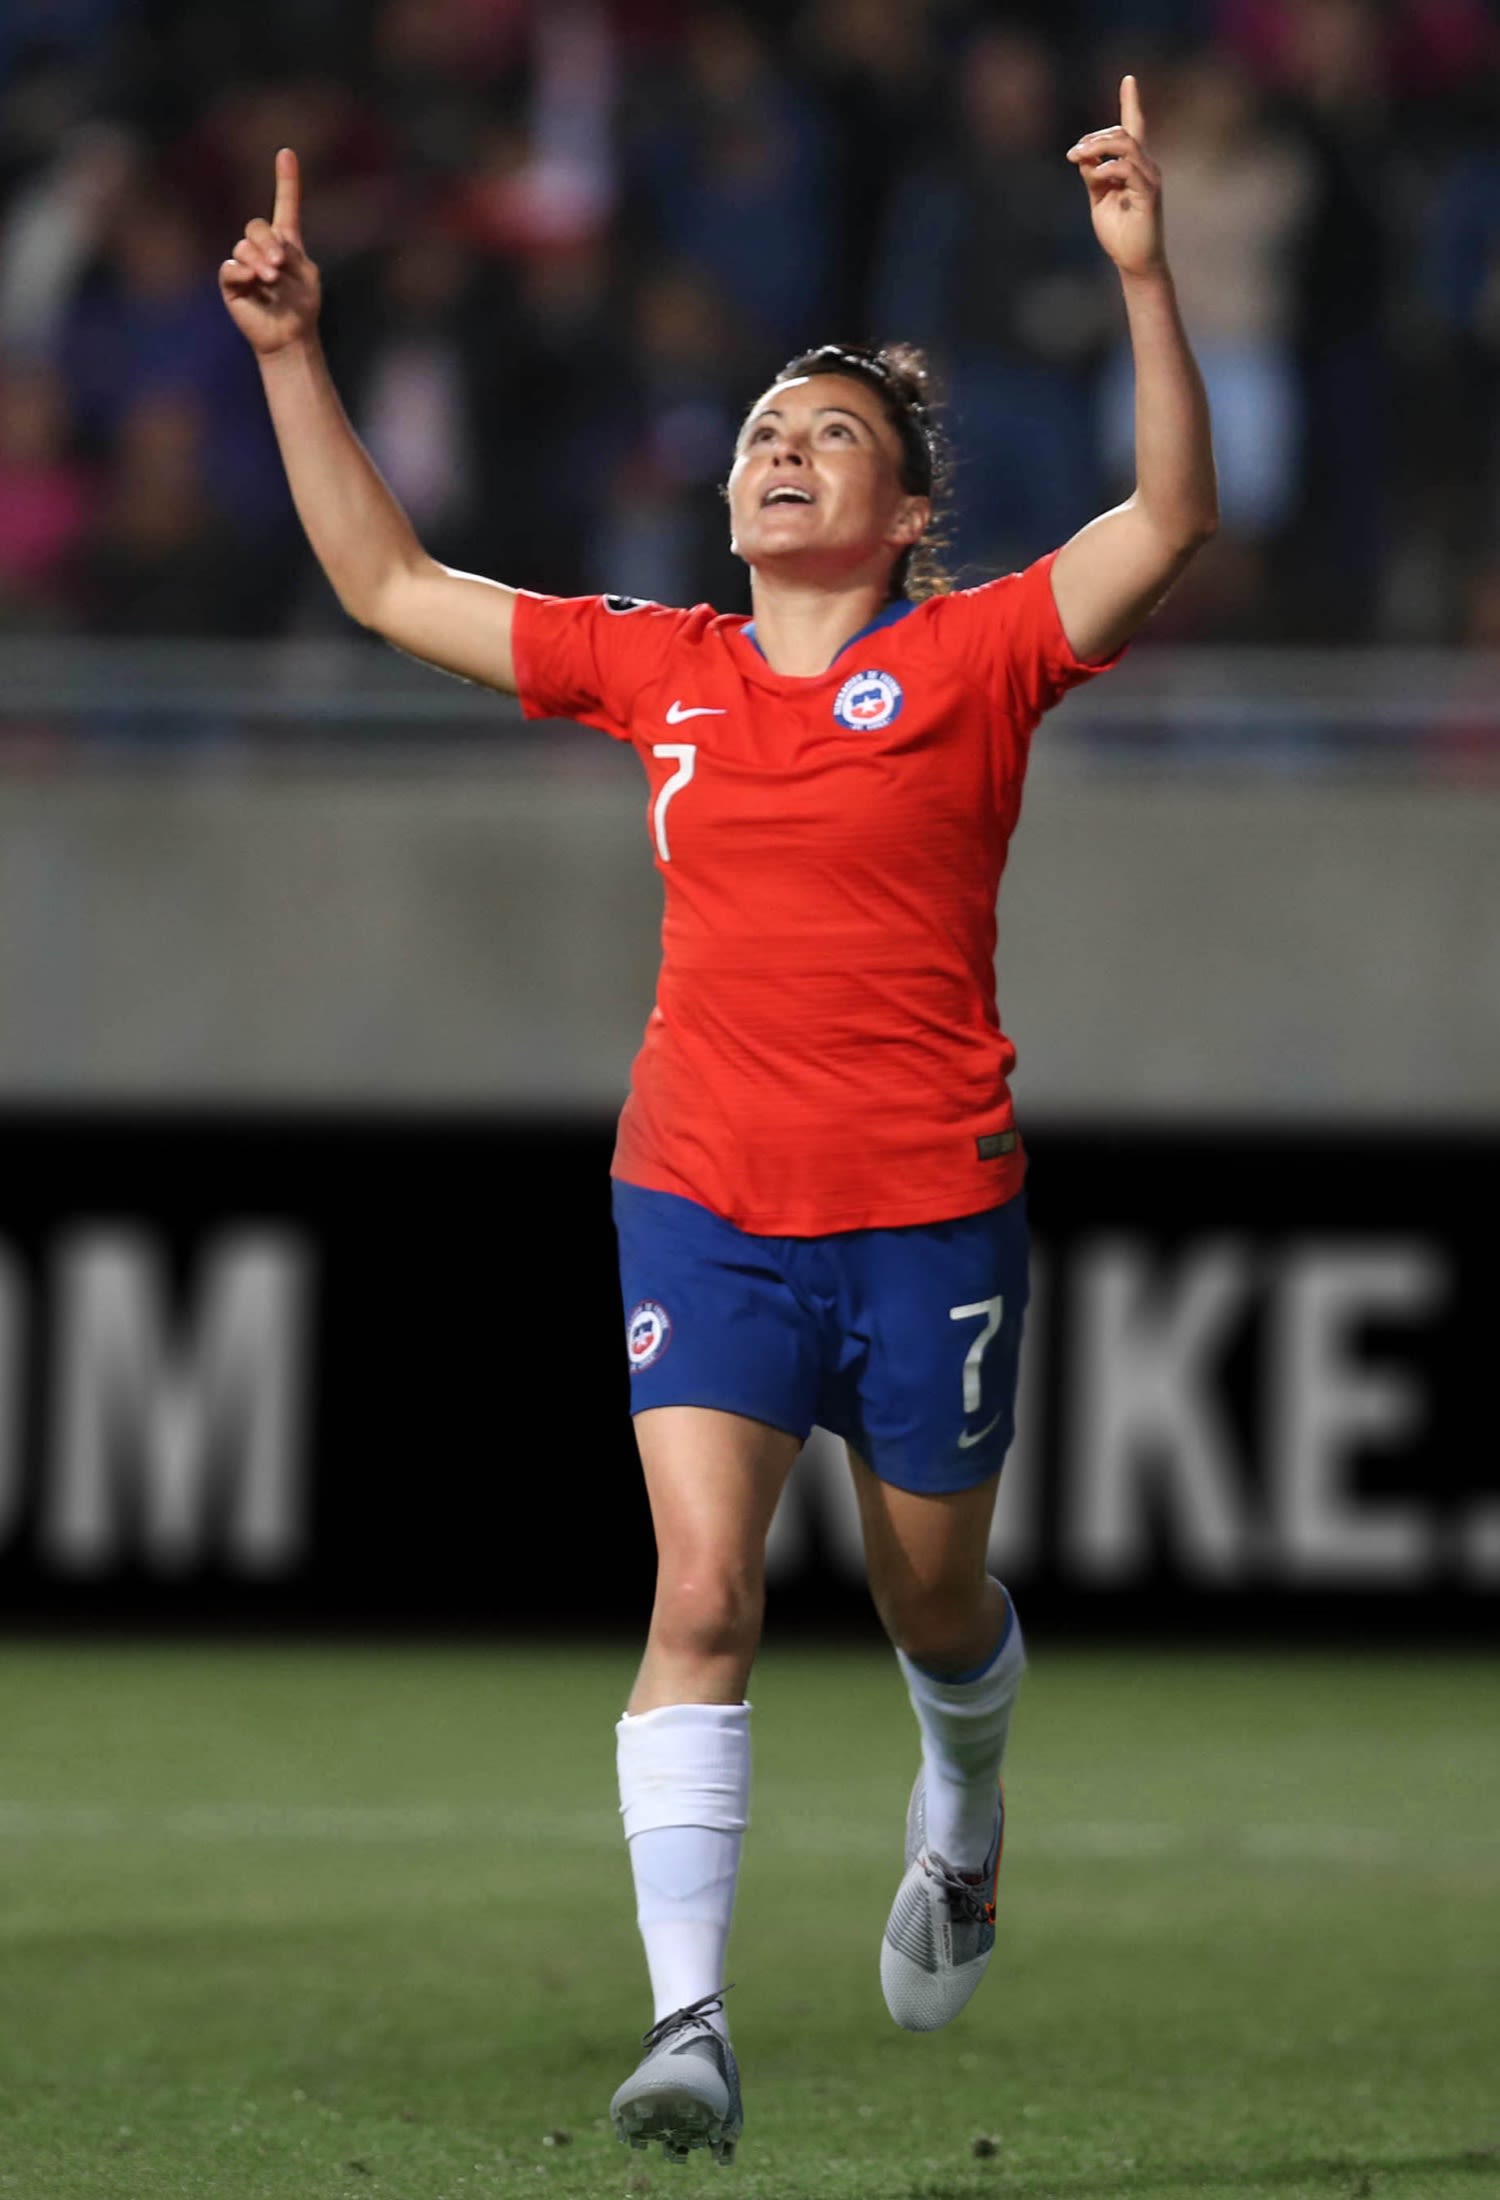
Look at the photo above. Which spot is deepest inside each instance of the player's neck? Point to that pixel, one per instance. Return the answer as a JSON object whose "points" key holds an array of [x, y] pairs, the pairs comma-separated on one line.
{"points": [[801, 627]]}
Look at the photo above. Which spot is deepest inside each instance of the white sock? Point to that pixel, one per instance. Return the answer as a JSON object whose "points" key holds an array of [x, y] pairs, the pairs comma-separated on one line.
{"points": [[964, 1724], [685, 1800]]}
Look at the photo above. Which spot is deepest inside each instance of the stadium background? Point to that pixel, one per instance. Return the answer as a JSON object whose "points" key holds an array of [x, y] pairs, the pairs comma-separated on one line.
{"points": [[320, 977]]}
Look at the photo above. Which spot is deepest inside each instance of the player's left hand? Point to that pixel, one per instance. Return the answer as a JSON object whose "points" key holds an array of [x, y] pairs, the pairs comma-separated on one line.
{"points": [[1124, 187]]}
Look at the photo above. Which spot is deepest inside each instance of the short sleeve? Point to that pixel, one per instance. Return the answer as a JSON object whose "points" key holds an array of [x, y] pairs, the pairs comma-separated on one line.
{"points": [[1009, 635], [588, 657]]}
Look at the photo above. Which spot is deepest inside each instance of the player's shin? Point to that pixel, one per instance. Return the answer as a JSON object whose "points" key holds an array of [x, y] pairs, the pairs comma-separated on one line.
{"points": [[684, 1775], [964, 1720]]}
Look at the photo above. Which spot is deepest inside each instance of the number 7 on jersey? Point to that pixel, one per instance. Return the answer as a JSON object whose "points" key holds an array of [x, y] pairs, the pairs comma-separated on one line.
{"points": [[686, 753]]}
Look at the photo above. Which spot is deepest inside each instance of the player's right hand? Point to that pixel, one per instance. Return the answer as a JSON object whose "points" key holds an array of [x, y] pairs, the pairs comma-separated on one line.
{"points": [[271, 287]]}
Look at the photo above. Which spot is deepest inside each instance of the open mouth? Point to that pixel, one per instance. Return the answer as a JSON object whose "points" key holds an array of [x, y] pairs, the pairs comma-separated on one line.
{"points": [[785, 492]]}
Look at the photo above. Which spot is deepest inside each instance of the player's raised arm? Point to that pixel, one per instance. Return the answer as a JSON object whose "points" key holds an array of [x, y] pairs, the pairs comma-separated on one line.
{"points": [[363, 540], [1111, 576]]}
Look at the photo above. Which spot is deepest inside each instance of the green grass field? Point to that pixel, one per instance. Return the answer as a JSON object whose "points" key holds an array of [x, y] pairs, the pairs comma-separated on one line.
{"points": [[327, 1923]]}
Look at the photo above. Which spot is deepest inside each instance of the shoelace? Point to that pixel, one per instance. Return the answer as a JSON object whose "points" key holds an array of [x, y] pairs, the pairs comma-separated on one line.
{"points": [[969, 1901], [695, 2012]]}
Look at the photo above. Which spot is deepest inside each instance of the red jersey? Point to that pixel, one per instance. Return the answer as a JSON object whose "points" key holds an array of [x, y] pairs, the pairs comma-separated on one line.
{"points": [[825, 1051]]}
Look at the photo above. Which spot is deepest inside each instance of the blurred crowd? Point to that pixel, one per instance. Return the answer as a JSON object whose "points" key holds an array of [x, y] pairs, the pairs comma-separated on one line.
{"points": [[564, 242]]}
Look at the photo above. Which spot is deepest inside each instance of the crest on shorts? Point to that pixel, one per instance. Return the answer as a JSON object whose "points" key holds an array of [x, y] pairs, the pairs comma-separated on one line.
{"points": [[648, 1332], [869, 701]]}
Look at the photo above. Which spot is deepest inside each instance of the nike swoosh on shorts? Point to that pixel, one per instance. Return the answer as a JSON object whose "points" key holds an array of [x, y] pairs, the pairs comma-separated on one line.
{"points": [[965, 1439]]}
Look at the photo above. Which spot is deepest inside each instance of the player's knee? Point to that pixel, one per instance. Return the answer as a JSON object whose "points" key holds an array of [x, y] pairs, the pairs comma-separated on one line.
{"points": [[930, 1622], [707, 1612]]}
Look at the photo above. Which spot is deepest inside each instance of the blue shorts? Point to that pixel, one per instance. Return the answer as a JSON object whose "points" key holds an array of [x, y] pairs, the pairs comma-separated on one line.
{"points": [[904, 1342]]}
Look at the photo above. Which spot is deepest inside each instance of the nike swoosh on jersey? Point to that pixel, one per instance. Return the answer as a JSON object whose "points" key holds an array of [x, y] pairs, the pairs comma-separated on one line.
{"points": [[965, 1439], [678, 712]]}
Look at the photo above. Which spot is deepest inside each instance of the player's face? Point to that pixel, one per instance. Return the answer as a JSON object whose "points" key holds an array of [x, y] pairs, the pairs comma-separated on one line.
{"points": [[816, 483]]}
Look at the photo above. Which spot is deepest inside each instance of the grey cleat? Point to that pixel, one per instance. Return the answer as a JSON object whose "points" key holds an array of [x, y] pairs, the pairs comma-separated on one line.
{"points": [[941, 1931], [685, 2090]]}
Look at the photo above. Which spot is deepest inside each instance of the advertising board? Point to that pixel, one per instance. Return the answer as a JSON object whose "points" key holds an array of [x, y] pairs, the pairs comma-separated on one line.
{"points": [[289, 1371]]}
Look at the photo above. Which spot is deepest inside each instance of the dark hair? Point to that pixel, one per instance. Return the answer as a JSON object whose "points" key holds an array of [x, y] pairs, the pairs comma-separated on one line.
{"points": [[901, 378]]}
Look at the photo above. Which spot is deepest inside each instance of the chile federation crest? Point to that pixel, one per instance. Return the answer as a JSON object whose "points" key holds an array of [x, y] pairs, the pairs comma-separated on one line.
{"points": [[868, 701], [648, 1332]]}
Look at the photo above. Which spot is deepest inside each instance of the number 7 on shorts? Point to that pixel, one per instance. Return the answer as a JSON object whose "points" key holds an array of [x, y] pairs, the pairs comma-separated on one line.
{"points": [[991, 1309]]}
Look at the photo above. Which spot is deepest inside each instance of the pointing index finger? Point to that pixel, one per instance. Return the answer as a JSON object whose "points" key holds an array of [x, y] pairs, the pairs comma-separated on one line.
{"points": [[1131, 118], [287, 217]]}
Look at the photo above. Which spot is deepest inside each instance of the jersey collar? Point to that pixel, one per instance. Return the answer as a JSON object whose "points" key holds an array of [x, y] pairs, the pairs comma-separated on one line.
{"points": [[889, 617]]}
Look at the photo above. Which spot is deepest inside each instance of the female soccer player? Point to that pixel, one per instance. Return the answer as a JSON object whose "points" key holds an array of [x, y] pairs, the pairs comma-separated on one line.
{"points": [[818, 1183]]}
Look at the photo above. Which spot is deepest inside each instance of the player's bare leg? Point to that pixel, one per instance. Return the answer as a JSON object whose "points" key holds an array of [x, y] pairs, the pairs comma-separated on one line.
{"points": [[925, 1556], [713, 1480], [960, 1650]]}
